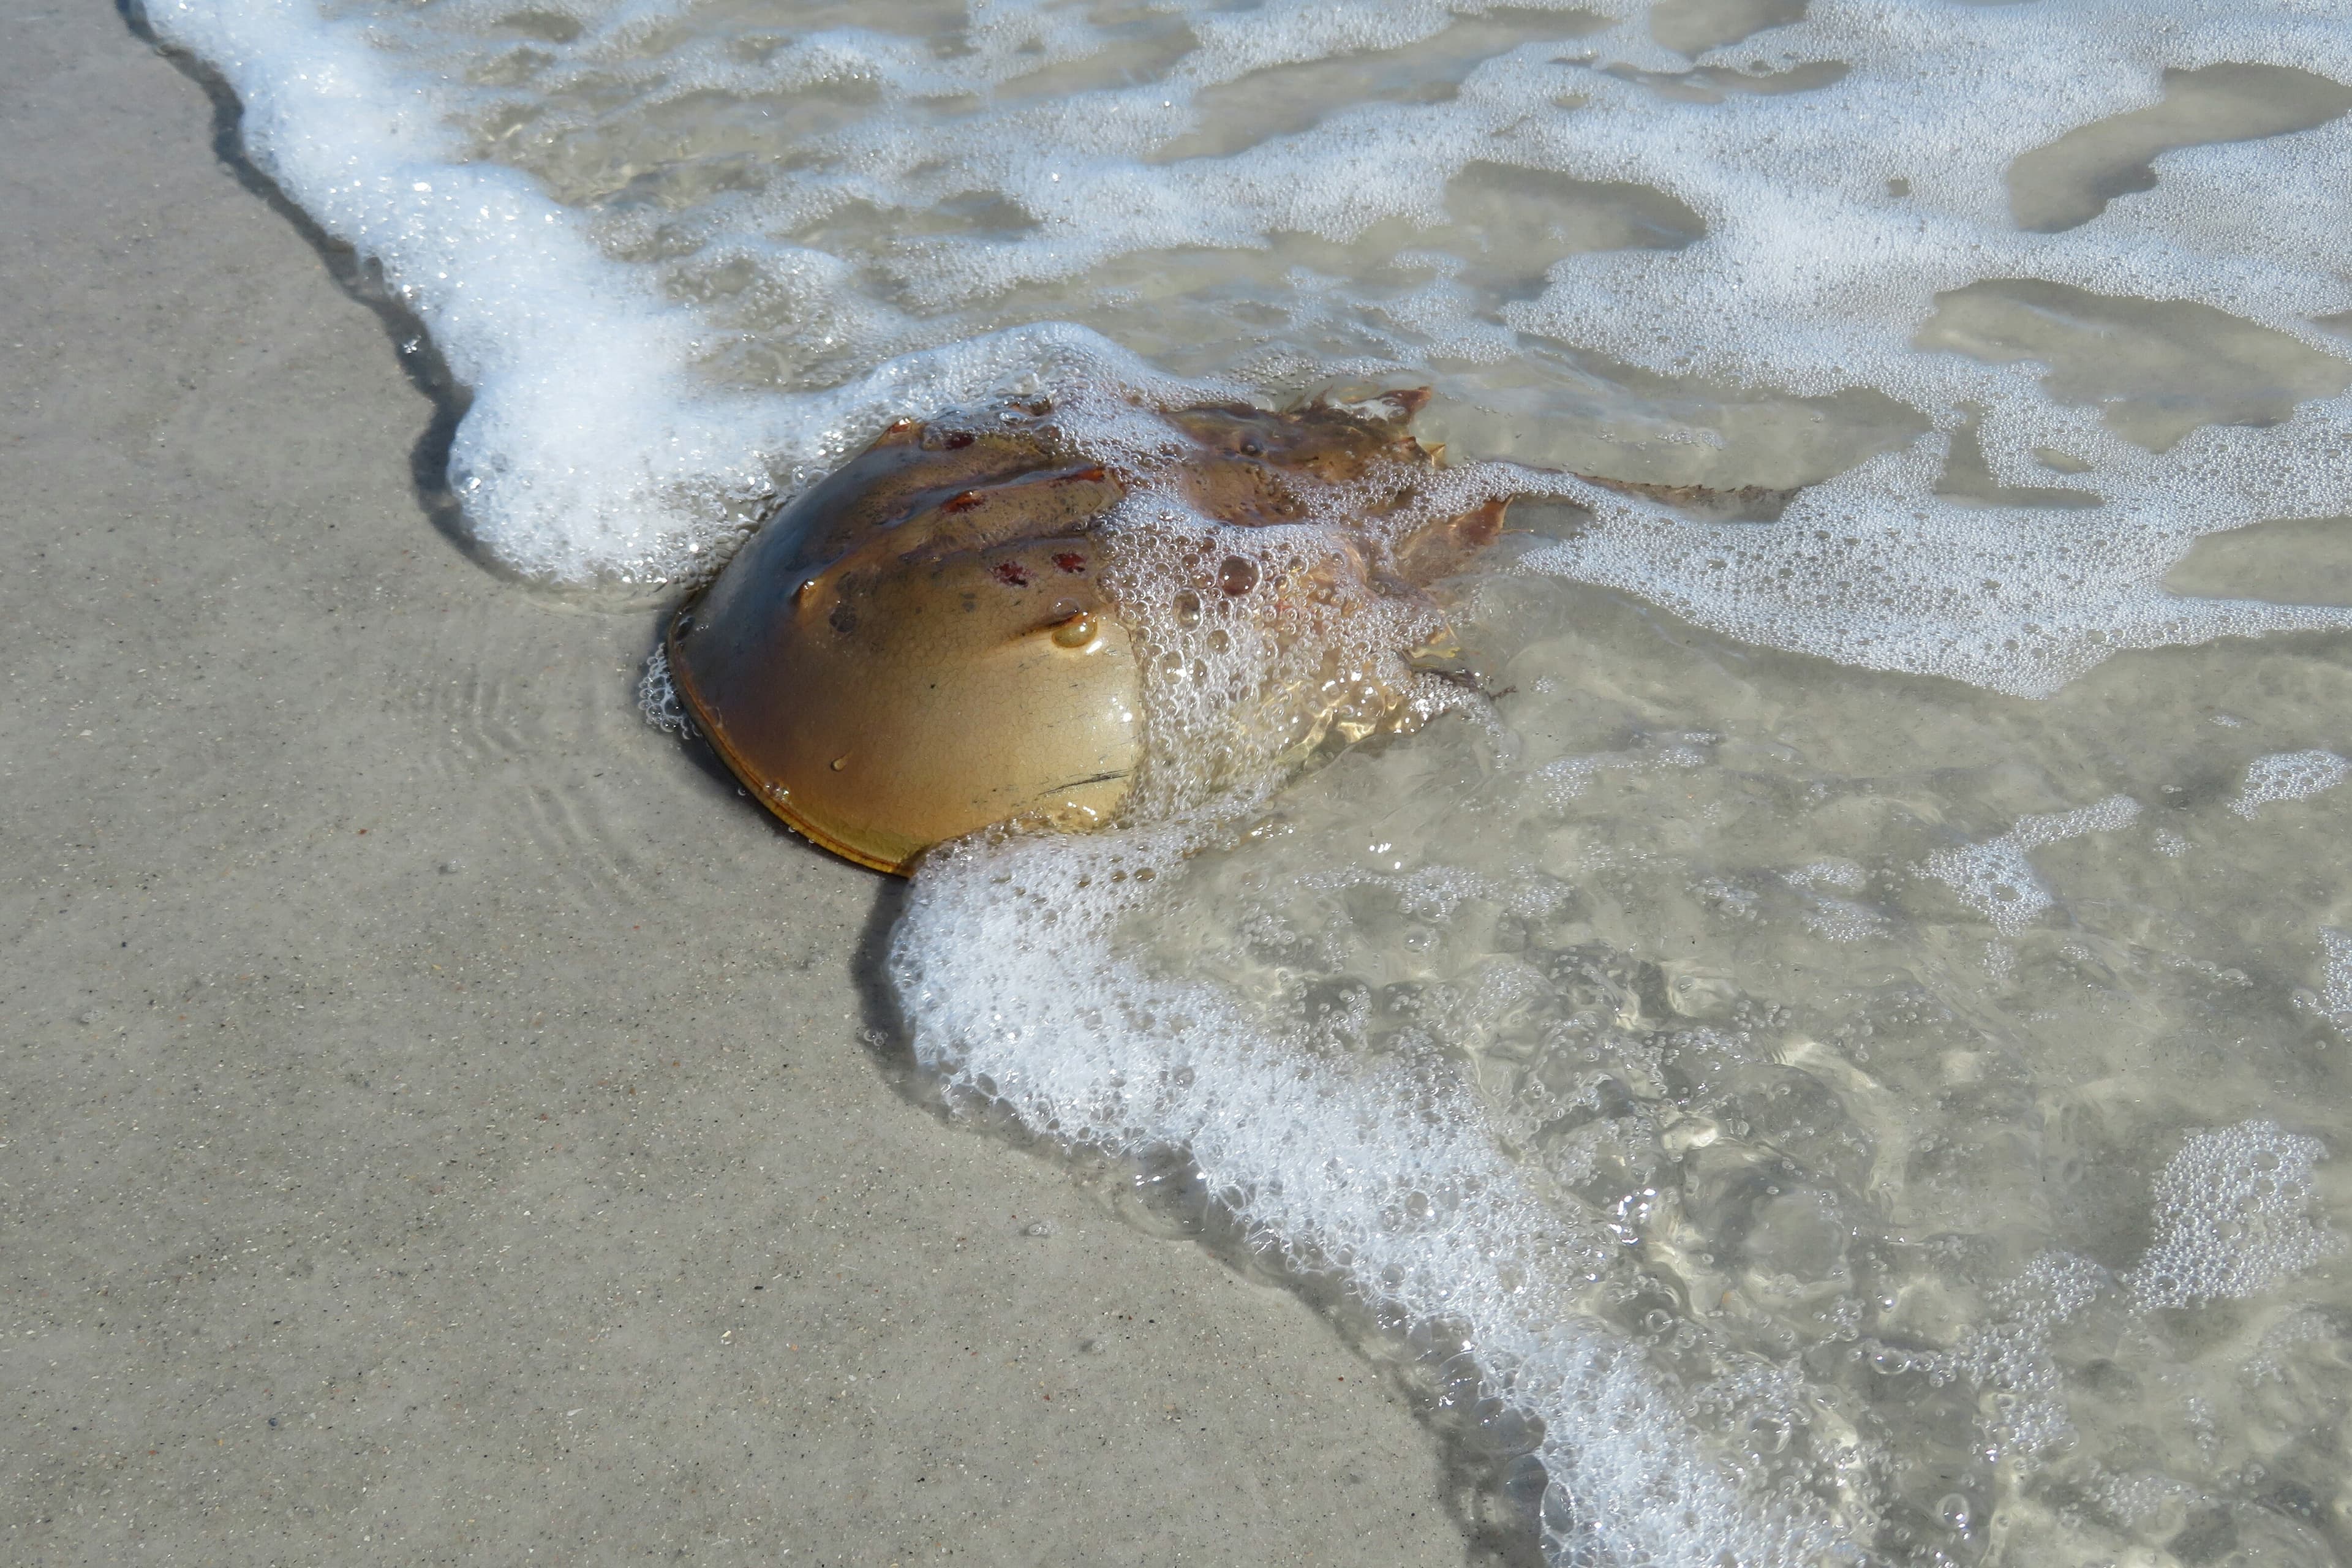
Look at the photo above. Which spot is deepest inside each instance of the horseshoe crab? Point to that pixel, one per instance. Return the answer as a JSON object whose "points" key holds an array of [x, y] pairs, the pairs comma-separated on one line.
{"points": [[966, 623]]}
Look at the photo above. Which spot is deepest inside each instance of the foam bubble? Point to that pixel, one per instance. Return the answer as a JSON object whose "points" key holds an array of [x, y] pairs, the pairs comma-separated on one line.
{"points": [[1009, 963], [869, 225], [2231, 1219], [1841, 874], [587, 443], [1997, 879], [2333, 1001], [2288, 775], [1569, 777], [1843, 920], [1435, 892], [657, 698], [592, 448]]}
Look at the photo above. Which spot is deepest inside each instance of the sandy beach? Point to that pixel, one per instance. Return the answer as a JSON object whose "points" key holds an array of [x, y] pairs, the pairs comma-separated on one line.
{"points": [[442, 1122]]}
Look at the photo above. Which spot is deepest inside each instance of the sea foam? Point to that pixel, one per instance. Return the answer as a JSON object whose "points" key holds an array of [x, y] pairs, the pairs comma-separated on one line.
{"points": [[590, 449], [1389, 1176], [608, 436]]}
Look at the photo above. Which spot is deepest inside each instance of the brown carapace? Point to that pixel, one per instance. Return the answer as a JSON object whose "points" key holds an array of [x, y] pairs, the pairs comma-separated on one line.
{"points": [[933, 638]]}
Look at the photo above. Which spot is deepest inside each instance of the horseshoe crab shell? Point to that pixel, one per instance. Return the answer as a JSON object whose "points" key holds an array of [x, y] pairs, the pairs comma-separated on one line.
{"points": [[934, 638]]}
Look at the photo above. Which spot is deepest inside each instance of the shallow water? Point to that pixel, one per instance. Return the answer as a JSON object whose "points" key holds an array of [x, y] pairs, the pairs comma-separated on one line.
{"points": [[1848, 1042]]}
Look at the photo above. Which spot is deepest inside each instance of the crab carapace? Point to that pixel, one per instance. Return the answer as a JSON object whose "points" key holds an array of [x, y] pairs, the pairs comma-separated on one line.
{"points": [[936, 637]]}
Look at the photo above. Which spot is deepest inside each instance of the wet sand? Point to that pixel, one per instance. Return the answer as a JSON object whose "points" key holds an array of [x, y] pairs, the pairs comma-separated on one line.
{"points": [[441, 1122]]}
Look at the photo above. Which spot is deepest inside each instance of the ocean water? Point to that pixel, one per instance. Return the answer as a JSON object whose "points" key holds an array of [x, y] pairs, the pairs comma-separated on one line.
{"points": [[1841, 1054]]}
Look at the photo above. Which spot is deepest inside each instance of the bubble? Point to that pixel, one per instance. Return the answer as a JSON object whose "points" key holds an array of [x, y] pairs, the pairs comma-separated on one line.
{"points": [[657, 698], [1997, 879], [2334, 1002], [1323, 1155], [2231, 1219], [2288, 775]]}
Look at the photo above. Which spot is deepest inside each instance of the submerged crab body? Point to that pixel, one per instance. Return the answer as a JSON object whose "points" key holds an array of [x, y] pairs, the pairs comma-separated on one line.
{"points": [[948, 632]]}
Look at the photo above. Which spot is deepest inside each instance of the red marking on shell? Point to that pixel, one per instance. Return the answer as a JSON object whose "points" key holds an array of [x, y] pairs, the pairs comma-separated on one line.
{"points": [[964, 502], [1093, 476], [957, 440], [1011, 575], [1070, 561]]}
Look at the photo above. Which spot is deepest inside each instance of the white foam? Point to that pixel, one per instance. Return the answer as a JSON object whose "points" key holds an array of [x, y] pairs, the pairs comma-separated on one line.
{"points": [[600, 444], [1872, 569], [1809, 278], [1997, 879], [586, 445], [1023, 964], [1435, 892], [2011, 1352], [2288, 775], [1812, 276], [2333, 1001], [2232, 1219], [1009, 962], [657, 698], [591, 450], [1569, 777], [1841, 874], [1843, 920]]}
